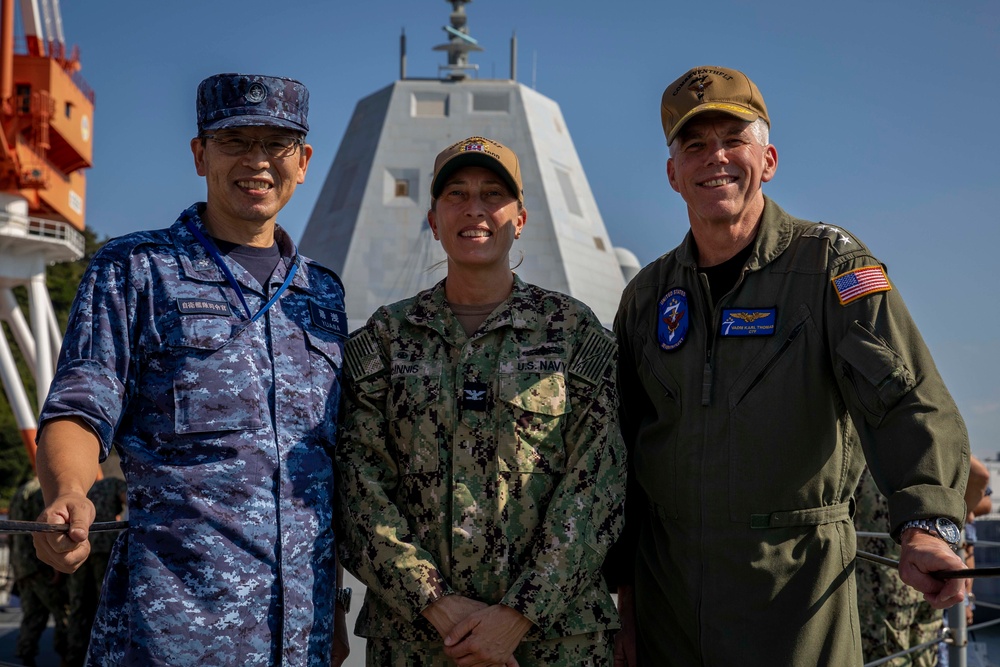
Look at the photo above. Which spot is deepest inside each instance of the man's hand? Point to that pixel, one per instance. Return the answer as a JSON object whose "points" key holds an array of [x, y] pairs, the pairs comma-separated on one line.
{"points": [[66, 551], [625, 639], [67, 466], [487, 637], [920, 555]]}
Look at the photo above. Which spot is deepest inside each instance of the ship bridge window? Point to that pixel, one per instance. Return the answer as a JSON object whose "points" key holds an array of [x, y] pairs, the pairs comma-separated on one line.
{"points": [[429, 104], [569, 192], [401, 186], [69, 109], [491, 102]]}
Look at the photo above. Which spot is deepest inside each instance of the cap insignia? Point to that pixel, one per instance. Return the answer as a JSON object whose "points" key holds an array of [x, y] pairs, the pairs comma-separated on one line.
{"points": [[699, 85], [256, 93], [473, 147]]}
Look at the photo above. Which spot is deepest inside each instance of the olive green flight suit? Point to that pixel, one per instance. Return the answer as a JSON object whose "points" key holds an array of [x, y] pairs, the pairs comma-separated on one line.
{"points": [[742, 455], [489, 465]]}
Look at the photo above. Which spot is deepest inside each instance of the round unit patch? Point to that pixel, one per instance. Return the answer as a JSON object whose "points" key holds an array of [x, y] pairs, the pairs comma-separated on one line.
{"points": [[256, 93], [672, 319]]}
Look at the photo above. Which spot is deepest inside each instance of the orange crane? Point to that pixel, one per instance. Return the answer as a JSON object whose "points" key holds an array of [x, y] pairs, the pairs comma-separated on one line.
{"points": [[46, 144], [46, 116]]}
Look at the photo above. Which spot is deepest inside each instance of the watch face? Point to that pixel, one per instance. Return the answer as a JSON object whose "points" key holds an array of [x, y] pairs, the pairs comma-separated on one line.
{"points": [[947, 530]]}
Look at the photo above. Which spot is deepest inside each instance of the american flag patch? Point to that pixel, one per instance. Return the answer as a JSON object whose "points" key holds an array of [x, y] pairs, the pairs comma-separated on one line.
{"points": [[855, 284], [362, 355]]}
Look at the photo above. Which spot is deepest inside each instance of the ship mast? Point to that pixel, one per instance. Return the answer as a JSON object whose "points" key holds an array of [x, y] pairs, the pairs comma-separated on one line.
{"points": [[459, 44]]}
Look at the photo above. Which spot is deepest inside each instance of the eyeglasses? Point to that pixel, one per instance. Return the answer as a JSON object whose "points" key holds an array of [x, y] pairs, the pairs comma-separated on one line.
{"points": [[276, 146]]}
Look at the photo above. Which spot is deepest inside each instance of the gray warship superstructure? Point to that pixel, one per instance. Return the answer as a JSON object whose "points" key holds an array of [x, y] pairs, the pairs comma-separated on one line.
{"points": [[369, 223]]}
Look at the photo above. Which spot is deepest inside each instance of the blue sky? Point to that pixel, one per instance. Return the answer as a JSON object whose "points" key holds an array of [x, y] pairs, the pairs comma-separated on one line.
{"points": [[880, 112]]}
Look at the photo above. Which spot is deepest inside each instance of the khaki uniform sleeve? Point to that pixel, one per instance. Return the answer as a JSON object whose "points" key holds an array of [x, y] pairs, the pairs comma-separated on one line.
{"points": [[584, 516], [375, 541], [913, 436]]}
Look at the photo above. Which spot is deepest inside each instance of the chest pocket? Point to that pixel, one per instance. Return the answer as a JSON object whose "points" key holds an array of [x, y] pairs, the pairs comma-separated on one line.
{"points": [[326, 358], [531, 432], [417, 416], [216, 385]]}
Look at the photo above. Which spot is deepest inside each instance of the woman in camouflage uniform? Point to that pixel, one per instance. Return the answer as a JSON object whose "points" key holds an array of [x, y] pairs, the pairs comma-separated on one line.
{"points": [[481, 470]]}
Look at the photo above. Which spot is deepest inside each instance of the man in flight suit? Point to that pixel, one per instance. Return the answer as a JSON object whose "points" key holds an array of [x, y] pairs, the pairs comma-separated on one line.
{"points": [[750, 355]]}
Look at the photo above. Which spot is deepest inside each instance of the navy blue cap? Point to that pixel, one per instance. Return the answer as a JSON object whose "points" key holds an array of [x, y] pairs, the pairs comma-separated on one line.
{"points": [[240, 100]]}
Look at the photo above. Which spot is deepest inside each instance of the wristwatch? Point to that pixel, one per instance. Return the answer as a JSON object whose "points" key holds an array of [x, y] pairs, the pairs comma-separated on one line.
{"points": [[343, 598], [940, 527]]}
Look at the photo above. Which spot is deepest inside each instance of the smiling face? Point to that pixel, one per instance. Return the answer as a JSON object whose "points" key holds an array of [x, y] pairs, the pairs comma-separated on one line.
{"points": [[477, 218], [718, 167], [245, 192]]}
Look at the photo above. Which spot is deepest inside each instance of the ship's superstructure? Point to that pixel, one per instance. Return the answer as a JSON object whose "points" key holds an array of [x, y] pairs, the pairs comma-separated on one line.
{"points": [[46, 120], [369, 222]]}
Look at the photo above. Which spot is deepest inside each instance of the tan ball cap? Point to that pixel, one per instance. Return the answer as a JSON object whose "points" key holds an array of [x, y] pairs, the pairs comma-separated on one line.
{"points": [[478, 152], [710, 89]]}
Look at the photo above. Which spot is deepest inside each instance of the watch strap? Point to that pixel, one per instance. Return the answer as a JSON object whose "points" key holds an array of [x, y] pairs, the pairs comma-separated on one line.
{"points": [[930, 526]]}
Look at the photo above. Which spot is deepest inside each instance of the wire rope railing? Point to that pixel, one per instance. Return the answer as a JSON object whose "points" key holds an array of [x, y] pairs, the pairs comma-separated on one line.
{"points": [[956, 634]]}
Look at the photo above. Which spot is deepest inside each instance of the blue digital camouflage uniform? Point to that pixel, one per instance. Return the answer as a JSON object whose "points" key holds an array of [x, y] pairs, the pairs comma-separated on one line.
{"points": [[893, 616], [225, 430], [489, 466]]}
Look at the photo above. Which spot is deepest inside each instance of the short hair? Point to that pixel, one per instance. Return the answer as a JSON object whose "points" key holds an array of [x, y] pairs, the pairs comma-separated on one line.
{"points": [[759, 128]]}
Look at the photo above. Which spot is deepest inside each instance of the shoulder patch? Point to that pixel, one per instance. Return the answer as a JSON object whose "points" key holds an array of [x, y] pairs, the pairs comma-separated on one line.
{"points": [[361, 355], [854, 284], [593, 356]]}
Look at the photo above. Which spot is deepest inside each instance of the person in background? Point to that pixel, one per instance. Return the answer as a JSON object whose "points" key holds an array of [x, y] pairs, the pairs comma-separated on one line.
{"points": [[480, 464], [893, 616], [41, 589], [209, 355]]}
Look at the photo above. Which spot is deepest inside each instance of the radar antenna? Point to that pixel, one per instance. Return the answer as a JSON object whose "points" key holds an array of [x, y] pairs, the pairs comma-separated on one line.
{"points": [[460, 43]]}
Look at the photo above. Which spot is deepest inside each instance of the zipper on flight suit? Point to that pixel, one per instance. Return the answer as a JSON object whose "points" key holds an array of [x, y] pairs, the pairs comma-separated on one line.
{"points": [[706, 302], [774, 358], [707, 376]]}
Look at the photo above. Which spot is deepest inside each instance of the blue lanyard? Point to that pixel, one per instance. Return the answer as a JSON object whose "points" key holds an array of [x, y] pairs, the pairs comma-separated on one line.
{"points": [[221, 263]]}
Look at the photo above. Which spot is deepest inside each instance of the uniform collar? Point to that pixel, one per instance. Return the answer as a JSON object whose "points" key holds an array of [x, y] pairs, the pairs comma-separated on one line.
{"points": [[519, 311], [198, 264], [773, 236]]}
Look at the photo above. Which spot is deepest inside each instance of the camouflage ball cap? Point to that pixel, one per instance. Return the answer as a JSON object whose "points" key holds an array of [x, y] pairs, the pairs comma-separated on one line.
{"points": [[241, 100], [478, 152], [709, 88]]}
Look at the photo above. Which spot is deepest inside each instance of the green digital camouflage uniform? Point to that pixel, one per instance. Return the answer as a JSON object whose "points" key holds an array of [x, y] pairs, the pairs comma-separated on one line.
{"points": [[893, 616], [743, 450], [85, 584], [489, 466], [41, 589]]}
